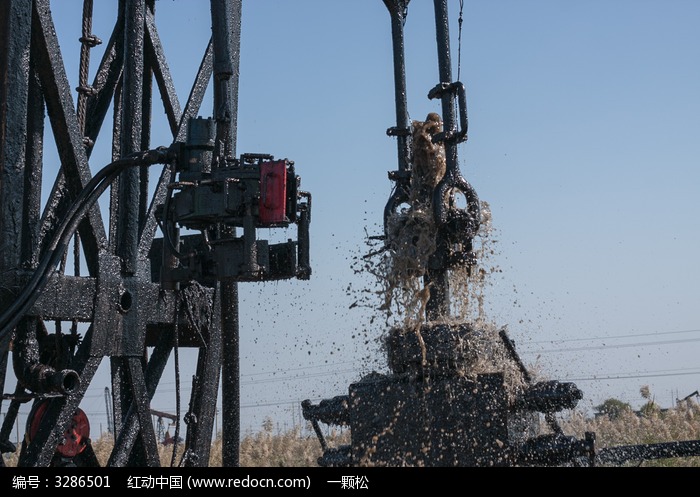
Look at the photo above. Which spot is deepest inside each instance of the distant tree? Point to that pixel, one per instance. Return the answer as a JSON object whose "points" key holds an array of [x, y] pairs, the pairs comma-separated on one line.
{"points": [[613, 408]]}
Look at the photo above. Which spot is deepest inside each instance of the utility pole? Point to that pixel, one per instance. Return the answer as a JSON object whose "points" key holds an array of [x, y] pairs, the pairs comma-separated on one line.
{"points": [[108, 406]]}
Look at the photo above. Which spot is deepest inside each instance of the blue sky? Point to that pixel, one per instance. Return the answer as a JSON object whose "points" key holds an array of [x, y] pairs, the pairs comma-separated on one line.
{"points": [[583, 139]]}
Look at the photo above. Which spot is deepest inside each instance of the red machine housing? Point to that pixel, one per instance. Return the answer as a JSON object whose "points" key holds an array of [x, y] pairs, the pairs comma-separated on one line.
{"points": [[273, 192]]}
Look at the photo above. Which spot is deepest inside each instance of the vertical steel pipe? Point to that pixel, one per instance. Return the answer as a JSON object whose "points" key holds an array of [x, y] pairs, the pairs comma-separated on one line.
{"points": [[438, 305], [15, 38], [226, 26], [398, 10], [131, 133]]}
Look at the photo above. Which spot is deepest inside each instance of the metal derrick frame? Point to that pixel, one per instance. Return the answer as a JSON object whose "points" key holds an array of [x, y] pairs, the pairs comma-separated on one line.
{"points": [[126, 311]]}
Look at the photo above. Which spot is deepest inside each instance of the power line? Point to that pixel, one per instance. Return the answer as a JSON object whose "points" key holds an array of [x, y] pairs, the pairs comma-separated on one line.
{"points": [[622, 376], [299, 377], [301, 368], [612, 346], [358, 372], [606, 347], [635, 335]]}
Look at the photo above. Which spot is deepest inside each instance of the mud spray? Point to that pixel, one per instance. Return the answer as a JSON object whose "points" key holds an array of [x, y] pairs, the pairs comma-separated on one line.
{"points": [[398, 266], [457, 393]]}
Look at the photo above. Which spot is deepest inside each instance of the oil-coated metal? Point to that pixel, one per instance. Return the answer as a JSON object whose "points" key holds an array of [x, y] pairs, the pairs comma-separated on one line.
{"points": [[119, 302]]}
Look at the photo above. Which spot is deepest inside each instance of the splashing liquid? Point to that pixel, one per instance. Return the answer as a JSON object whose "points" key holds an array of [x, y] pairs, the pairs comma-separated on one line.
{"points": [[400, 267]]}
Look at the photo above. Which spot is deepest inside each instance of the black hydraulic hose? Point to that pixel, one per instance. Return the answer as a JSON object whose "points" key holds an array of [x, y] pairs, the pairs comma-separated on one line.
{"points": [[165, 226], [54, 252], [30, 372], [52, 257]]}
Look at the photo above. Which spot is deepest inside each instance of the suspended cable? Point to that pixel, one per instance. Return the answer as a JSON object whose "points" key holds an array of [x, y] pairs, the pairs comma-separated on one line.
{"points": [[176, 351], [459, 38]]}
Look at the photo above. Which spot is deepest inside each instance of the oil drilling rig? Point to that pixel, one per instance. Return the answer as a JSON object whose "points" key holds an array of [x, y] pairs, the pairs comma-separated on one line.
{"points": [[438, 406], [161, 270], [430, 411]]}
